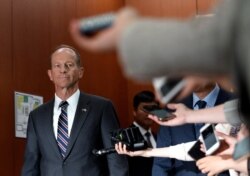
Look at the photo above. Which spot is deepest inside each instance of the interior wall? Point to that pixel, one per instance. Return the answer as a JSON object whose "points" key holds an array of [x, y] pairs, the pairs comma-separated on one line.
{"points": [[29, 32], [6, 98], [164, 8], [204, 7]]}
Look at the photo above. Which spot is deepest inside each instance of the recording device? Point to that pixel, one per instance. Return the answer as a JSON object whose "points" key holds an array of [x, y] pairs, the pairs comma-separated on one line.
{"points": [[131, 137], [242, 149], [163, 114], [91, 25], [210, 140], [168, 88], [195, 151]]}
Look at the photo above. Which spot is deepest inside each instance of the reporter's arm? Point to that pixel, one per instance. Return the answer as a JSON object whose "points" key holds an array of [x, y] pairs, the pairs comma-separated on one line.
{"points": [[225, 113], [177, 151], [186, 115]]}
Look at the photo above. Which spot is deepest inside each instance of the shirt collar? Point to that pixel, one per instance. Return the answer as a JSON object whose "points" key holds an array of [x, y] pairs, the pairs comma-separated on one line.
{"points": [[72, 100], [210, 98], [142, 130]]}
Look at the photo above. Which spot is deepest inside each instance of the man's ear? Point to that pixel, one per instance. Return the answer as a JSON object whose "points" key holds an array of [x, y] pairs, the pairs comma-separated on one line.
{"points": [[81, 72], [134, 113], [50, 75]]}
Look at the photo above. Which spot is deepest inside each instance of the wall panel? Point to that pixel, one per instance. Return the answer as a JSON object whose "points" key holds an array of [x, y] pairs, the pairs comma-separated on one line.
{"points": [[30, 51], [205, 6], [6, 100], [164, 8]]}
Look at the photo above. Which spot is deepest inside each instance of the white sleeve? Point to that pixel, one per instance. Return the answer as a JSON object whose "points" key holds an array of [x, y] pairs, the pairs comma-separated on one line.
{"points": [[180, 151]]}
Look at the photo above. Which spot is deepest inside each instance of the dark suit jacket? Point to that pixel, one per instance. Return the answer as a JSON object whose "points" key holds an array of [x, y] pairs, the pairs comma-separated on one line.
{"points": [[168, 136], [95, 118], [140, 166]]}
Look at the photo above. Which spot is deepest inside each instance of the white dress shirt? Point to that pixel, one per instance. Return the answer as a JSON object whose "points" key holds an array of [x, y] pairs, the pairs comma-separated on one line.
{"points": [[143, 131], [210, 99], [71, 110]]}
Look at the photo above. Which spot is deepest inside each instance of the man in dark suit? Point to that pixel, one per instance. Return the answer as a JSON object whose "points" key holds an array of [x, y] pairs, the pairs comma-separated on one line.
{"points": [[61, 136], [169, 136], [141, 165]]}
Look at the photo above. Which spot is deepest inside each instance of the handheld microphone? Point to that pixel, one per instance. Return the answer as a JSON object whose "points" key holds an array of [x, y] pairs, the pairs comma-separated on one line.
{"points": [[91, 25], [103, 151]]}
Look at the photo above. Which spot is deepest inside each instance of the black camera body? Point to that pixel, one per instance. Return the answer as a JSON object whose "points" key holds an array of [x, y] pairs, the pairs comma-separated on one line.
{"points": [[131, 137]]}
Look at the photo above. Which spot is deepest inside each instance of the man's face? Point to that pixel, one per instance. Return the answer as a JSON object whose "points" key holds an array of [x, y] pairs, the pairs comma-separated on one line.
{"points": [[64, 71], [141, 117]]}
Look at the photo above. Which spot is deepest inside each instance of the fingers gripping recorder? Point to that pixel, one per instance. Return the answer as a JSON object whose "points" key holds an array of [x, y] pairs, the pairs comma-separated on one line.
{"points": [[91, 25]]}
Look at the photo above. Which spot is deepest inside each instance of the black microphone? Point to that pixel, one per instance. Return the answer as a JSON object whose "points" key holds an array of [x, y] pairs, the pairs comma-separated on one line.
{"points": [[103, 151], [91, 25]]}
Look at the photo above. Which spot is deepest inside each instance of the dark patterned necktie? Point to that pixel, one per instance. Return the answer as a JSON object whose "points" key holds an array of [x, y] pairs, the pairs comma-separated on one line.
{"points": [[201, 105], [62, 130], [147, 134]]}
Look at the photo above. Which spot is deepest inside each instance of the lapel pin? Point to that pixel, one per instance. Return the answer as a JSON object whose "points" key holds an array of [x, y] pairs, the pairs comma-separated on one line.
{"points": [[84, 110]]}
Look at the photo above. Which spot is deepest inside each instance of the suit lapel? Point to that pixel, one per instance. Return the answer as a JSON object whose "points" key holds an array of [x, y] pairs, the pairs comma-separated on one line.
{"points": [[49, 127], [188, 101], [80, 117], [224, 96]]}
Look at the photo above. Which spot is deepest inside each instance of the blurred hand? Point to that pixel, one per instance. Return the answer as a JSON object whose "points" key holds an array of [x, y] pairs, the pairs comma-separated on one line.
{"points": [[227, 145], [181, 113], [106, 39], [122, 149], [213, 165]]}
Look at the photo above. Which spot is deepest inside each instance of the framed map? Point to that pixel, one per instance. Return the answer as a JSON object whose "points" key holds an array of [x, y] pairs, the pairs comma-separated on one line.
{"points": [[24, 104]]}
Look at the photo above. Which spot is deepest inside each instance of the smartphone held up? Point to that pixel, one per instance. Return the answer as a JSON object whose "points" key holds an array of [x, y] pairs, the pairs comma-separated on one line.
{"points": [[163, 114], [91, 25], [168, 88], [209, 138]]}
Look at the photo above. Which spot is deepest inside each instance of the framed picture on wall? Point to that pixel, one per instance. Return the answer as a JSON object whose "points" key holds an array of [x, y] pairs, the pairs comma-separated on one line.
{"points": [[24, 103]]}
